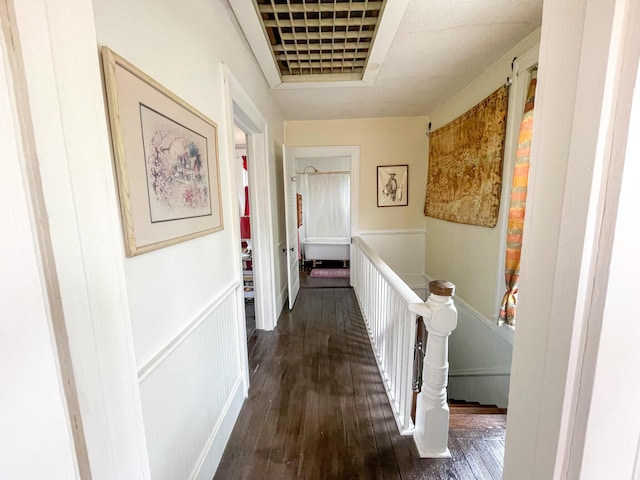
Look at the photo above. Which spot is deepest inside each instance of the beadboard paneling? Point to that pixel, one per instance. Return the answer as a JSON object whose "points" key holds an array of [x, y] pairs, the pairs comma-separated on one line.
{"points": [[402, 250], [483, 388], [188, 391]]}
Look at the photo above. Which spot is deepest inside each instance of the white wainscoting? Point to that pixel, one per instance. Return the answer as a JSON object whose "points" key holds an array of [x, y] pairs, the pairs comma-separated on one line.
{"points": [[403, 251], [480, 387], [192, 391]]}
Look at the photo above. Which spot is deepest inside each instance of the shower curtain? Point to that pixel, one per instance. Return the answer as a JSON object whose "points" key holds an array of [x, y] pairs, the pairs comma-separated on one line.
{"points": [[327, 205]]}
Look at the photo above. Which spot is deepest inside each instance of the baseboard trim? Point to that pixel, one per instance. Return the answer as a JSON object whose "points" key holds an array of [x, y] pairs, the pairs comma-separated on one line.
{"points": [[208, 462]]}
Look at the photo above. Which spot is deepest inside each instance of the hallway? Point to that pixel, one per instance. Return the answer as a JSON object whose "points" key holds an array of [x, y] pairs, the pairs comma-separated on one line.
{"points": [[317, 408]]}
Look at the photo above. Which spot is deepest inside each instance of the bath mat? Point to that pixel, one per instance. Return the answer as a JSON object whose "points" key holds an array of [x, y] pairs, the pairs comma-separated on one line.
{"points": [[330, 273]]}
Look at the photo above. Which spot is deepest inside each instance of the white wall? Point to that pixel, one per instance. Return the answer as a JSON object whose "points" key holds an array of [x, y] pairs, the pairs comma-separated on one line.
{"points": [[203, 37], [612, 428], [571, 166], [182, 45], [58, 44], [330, 164], [154, 316], [35, 432], [403, 251], [464, 254], [382, 141], [479, 358], [471, 256]]}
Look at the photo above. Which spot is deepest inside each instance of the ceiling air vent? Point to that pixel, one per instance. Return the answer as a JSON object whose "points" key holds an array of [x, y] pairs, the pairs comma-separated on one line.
{"points": [[320, 40]]}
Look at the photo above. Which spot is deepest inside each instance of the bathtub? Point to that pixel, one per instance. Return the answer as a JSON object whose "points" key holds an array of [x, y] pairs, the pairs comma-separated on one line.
{"points": [[327, 248]]}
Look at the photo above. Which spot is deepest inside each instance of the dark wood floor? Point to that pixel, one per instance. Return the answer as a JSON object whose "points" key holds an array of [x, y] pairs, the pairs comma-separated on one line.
{"points": [[317, 407], [250, 317]]}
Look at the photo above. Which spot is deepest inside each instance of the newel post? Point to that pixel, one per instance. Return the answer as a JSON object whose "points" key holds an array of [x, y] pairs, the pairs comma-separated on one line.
{"points": [[432, 411]]}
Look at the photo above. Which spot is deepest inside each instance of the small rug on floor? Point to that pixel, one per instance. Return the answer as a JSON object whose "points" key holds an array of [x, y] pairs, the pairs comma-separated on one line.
{"points": [[330, 273]]}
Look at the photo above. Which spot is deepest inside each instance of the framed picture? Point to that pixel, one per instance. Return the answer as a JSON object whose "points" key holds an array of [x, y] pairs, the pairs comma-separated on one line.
{"points": [[393, 185], [166, 160]]}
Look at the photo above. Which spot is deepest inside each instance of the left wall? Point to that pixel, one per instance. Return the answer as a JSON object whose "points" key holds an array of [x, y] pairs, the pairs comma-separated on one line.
{"points": [[157, 340], [183, 299], [182, 45]]}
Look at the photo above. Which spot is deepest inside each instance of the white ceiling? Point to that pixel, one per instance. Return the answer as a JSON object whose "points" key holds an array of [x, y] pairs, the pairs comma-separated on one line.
{"points": [[439, 47]]}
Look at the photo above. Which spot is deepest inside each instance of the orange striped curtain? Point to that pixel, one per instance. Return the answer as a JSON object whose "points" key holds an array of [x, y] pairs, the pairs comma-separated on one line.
{"points": [[517, 206]]}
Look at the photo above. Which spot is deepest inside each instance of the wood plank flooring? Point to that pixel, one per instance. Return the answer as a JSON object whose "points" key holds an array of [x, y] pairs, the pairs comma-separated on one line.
{"points": [[317, 408]]}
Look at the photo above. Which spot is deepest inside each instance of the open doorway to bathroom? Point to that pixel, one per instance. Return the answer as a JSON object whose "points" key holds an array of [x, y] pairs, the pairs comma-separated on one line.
{"points": [[241, 170], [324, 220], [297, 169]]}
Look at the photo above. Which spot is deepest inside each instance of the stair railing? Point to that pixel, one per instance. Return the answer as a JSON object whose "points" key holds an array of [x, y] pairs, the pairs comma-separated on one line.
{"points": [[432, 411], [390, 309]]}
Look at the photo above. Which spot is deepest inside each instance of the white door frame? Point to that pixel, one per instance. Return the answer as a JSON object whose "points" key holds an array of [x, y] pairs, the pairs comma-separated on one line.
{"points": [[610, 317], [84, 225], [559, 360], [43, 336], [353, 152], [242, 111]]}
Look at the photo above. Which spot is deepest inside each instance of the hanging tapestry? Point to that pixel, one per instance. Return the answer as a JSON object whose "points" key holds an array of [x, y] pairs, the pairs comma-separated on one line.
{"points": [[465, 164]]}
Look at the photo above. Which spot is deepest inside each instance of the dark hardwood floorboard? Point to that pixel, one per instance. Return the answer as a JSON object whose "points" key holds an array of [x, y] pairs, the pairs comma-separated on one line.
{"points": [[496, 447], [250, 317], [317, 408]]}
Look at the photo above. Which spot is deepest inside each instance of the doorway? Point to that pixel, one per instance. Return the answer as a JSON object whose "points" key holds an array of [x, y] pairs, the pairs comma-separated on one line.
{"points": [[323, 195], [243, 113], [241, 174], [319, 234]]}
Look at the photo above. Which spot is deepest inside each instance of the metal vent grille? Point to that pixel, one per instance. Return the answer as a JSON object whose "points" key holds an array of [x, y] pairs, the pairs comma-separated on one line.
{"points": [[313, 39]]}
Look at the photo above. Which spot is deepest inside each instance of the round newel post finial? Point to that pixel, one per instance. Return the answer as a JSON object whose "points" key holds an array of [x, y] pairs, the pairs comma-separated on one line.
{"points": [[442, 288]]}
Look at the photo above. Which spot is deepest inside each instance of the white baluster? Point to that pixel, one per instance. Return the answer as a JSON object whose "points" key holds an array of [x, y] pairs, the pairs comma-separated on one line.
{"points": [[432, 412], [385, 301]]}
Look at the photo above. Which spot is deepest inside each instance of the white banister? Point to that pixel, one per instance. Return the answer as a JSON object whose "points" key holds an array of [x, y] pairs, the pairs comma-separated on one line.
{"points": [[384, 300], [432, 411], [390, 309]]}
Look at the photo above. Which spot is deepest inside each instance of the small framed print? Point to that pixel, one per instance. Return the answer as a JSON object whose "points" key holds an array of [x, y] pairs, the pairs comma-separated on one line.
{"points": [[393, 185]]}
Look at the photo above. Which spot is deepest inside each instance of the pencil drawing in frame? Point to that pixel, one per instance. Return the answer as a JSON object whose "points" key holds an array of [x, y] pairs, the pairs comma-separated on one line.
{"points": [[393, 185], [166, 160]]}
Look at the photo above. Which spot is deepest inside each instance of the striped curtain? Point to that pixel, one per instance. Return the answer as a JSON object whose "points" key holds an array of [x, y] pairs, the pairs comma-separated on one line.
{"points": [[517, 206]]}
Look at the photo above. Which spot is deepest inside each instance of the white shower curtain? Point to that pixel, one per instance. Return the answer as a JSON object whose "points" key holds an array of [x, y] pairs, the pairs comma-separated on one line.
{"points": [[327, 205]]}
